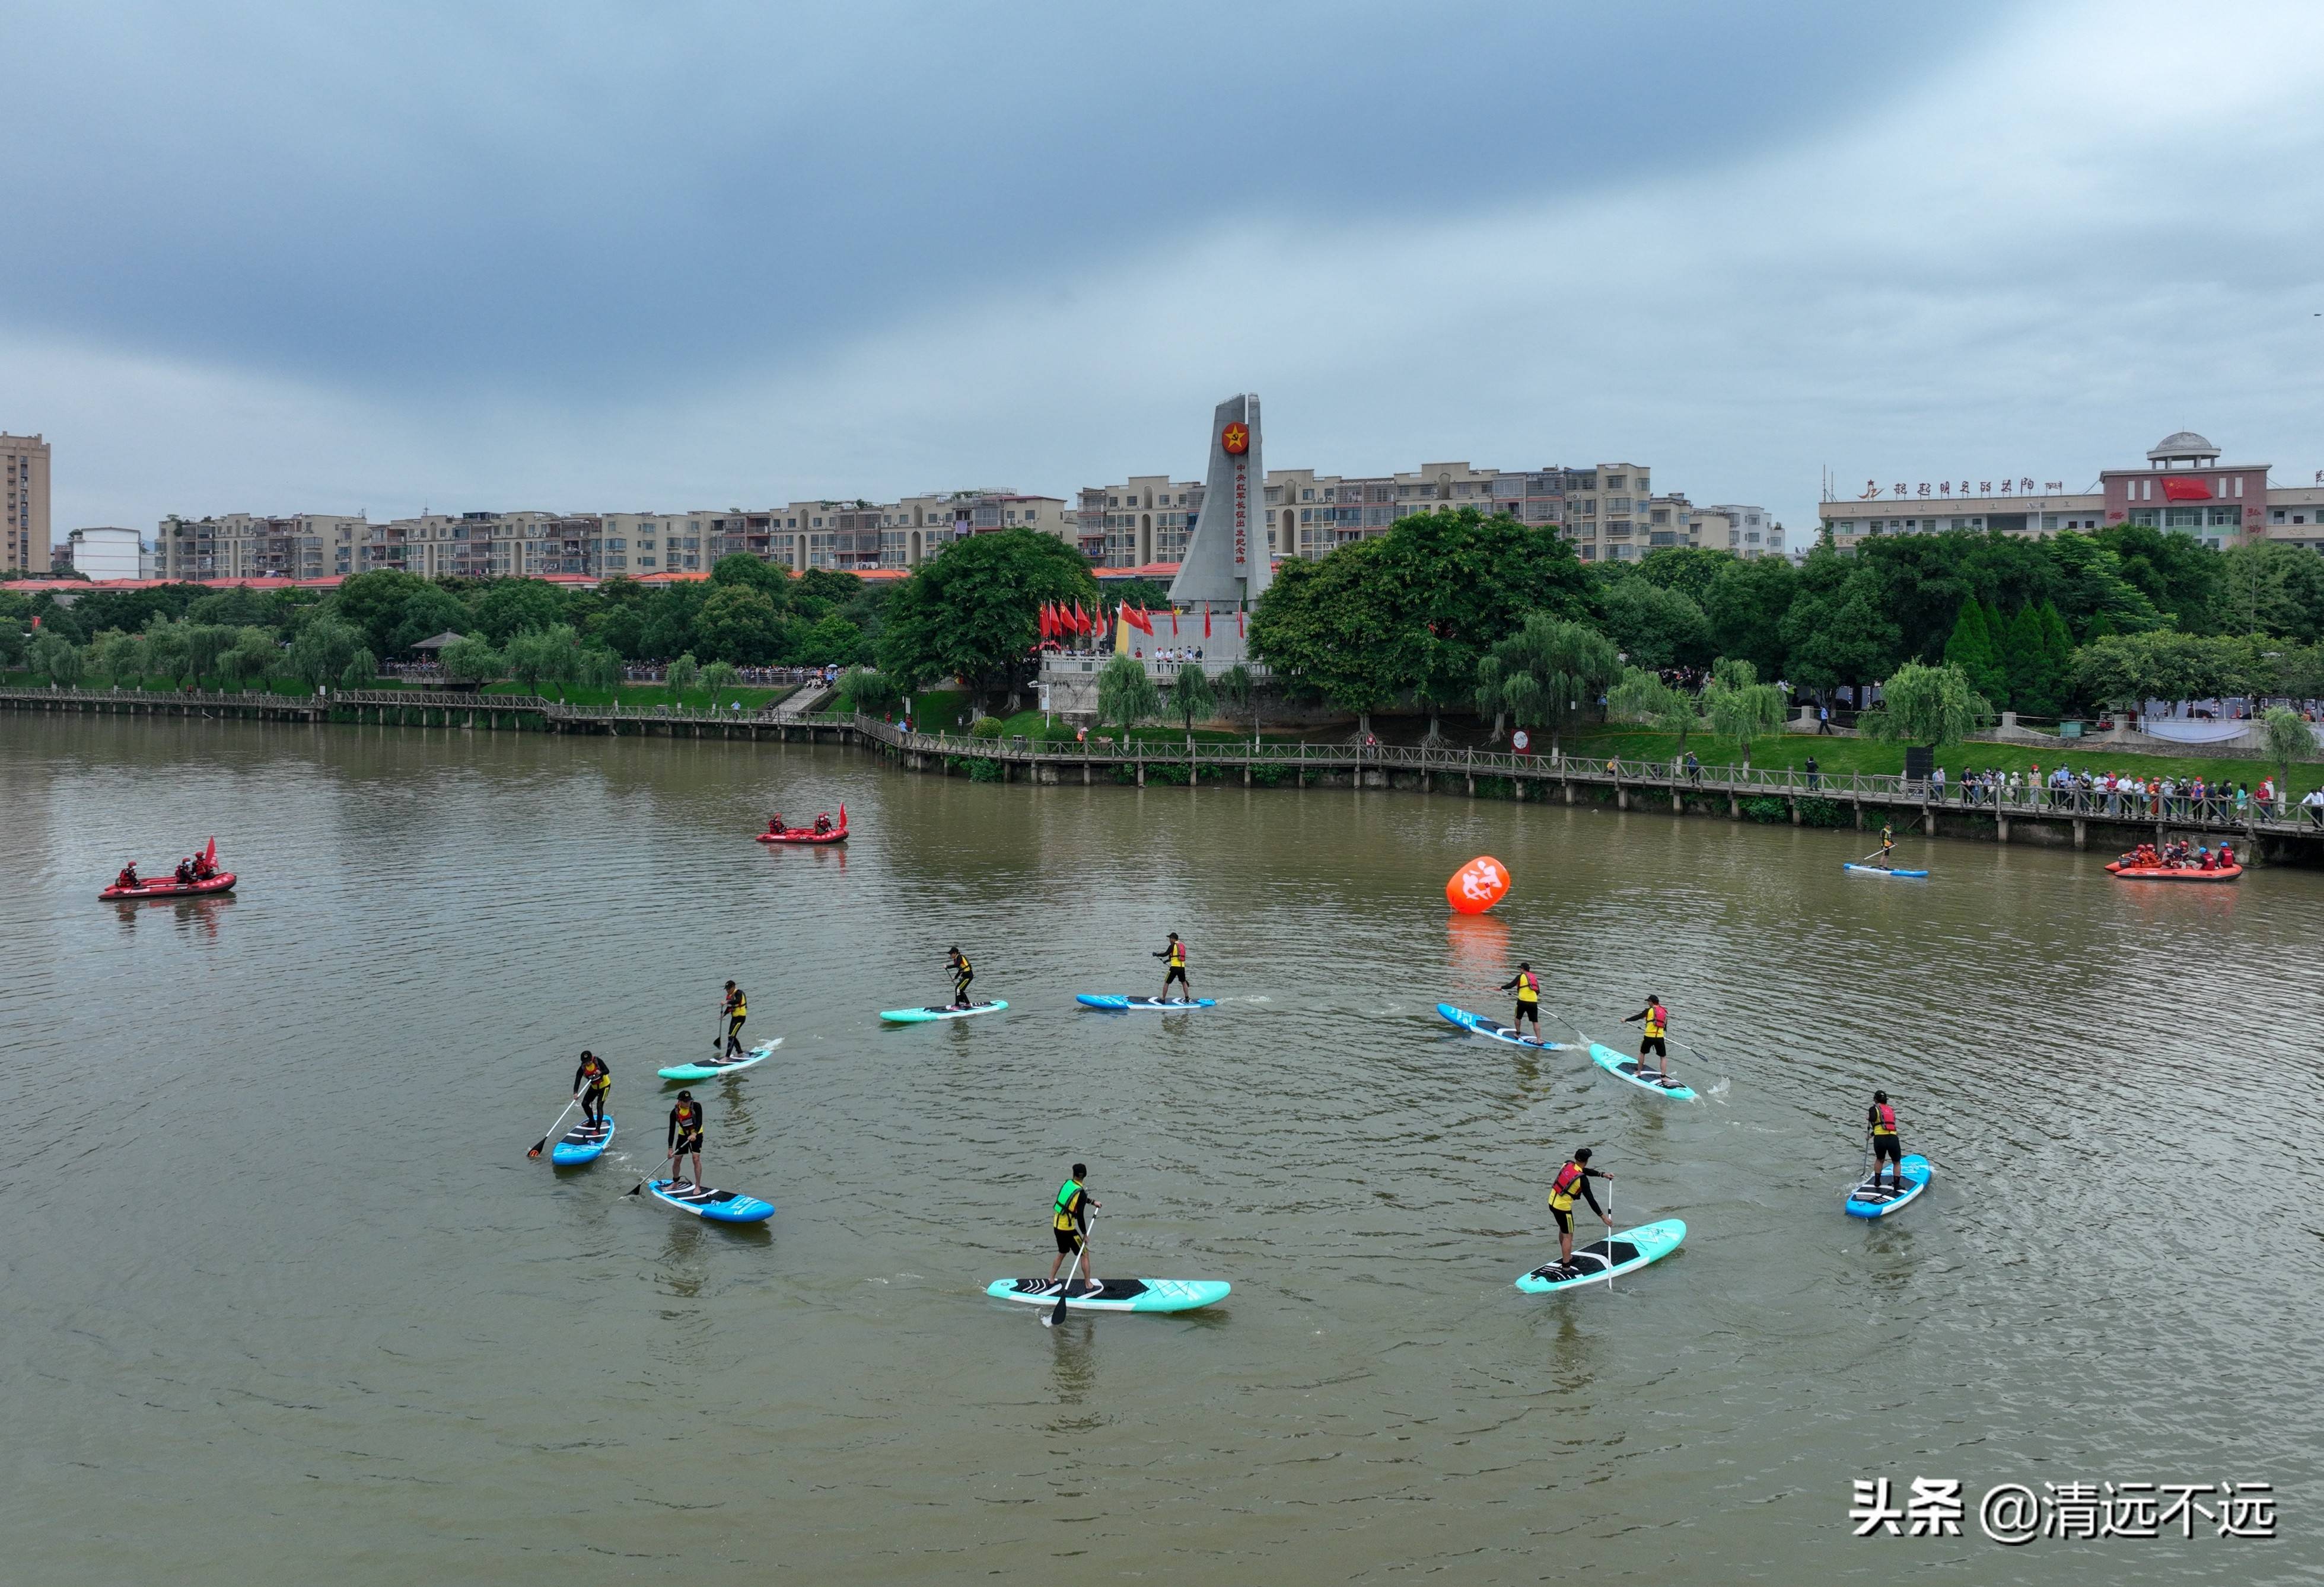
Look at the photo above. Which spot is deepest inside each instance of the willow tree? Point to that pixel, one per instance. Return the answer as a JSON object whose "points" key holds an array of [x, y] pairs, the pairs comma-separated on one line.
{"points": [[1125, 695], [1549, 672], [1642, 696], [1740, 707], [1192, 697], [2289, 739], [1238, 690], [1931, 705]]}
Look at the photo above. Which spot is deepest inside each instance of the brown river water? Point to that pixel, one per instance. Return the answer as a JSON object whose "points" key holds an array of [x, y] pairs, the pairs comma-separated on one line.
{"points": [[288, 1304]]}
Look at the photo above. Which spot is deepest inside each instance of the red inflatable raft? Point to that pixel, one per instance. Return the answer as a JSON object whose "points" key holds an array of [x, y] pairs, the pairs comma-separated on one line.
{"points": [[170, 886], [808, 835], [2173, 873]]}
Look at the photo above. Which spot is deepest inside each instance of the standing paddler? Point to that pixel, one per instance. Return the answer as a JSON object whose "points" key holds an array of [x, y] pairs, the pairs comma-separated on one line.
{"points": [[1573, 1180], [963, 972], [735, 1010], [1174, 959], [1528, 986], [1887, 1144], [686, 1124], [1069, 1220], [1651, 1033], [593, 1083]]}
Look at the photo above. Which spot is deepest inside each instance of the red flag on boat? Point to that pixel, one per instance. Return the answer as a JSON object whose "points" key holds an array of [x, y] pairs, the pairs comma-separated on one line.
{"points": [[209, 855]]}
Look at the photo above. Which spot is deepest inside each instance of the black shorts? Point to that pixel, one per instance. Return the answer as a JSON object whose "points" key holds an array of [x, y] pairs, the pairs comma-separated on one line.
{"points": [[692, 1143], [1178, 975], [1068, 1240], [1885, 1146], [1653, 1043], [1528, 1012], [1564, 1220]]}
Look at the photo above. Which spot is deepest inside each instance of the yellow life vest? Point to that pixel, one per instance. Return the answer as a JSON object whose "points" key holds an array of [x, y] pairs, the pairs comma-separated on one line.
{"points": [[1068, 1196], [1177, 956], [1528, 987]]}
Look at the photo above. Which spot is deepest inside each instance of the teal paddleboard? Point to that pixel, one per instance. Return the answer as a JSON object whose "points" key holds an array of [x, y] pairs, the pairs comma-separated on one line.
{"points": [[711, 1068], [1602, 1259], [941, 1012], [1116, 1295], [1623, 1067], [1481, 1026], [1118, 1001]]}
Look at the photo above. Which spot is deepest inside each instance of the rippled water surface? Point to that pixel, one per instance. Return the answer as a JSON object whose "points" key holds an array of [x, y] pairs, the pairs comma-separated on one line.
{"points": [[287, 1303]]}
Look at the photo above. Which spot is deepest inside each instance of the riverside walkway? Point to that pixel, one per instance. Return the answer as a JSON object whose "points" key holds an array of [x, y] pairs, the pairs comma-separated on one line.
{"points": [[1860, 800]]}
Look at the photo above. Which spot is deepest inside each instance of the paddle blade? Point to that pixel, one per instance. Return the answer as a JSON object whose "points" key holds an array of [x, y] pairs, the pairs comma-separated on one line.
{"points": [[1057, 1314], [537, 1146]]}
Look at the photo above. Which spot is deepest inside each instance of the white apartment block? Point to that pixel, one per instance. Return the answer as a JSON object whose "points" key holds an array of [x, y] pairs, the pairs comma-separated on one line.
{"points": [[857, 536], [1609, 512], [1748, 532], [24, 498], [107, 553], [236, 545]]}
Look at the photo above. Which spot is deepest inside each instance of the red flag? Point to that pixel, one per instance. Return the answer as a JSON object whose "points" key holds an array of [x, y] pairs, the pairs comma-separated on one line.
{"points": [[1041, 620], [1049, 624], [1207, 622], [2186, 490], [1174, 623], [1237, 623], [1141, 620], [1080, 618], [209, 855]]}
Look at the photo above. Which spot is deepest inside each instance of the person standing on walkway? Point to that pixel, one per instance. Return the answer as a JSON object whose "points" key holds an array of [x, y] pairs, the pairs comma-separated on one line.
{"points": [[1815, 773], [1651, 1033]]}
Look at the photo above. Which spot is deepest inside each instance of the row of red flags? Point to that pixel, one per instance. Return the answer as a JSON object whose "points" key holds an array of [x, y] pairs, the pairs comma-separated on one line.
{"points": [[1059, 621]]}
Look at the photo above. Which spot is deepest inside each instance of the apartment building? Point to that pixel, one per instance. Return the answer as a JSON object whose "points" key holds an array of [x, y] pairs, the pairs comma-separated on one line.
{"points": [[238, 545], [1748, 532], [24, 499], [861, 535], [1608, 511], [2183, 488], [105, 553]]}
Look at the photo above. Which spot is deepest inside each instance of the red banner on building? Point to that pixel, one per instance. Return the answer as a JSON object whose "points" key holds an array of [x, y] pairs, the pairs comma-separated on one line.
{"points": [[2186, 490]]}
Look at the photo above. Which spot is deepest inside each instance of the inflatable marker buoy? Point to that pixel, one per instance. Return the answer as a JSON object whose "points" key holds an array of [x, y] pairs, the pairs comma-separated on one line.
{"points": [[1478, 885]]}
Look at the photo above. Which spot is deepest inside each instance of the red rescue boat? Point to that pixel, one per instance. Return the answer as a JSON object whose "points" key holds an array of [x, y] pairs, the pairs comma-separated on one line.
{"points": [[2173, 873], [808, 835], [170, 886]]}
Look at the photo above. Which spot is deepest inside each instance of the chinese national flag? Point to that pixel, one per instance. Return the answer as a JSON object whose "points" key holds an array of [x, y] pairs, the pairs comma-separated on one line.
{"points": [[1080, 618], [1043, 620], [1174, 623], [1237, 623], [2186, 490], [1207, 622], [1142, 620]]}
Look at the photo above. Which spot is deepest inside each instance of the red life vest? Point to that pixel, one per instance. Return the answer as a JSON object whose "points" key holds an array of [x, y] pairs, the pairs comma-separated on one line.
{"points": [[1561, 1189], [1888, 1120]]}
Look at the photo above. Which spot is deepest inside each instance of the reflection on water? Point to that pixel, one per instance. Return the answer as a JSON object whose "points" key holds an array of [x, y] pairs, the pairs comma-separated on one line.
{"points": [[320, 1299]]}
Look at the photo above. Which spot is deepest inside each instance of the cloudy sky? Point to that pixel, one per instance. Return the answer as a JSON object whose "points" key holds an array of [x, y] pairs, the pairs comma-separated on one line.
{"points": [[277, 257]]}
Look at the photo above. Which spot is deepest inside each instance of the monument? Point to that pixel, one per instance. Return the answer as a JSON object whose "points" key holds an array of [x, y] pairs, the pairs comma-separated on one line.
{"points": [[1226, 564]]}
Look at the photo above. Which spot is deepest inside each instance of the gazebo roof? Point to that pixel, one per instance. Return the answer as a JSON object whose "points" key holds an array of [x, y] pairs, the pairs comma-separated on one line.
{"points": [[438, 642]]}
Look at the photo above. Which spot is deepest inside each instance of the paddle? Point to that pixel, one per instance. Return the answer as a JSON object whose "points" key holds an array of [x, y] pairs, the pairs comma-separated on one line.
{"points": [[1610, 1235], [1056, 1314], [718, 1039], [542, 1143], [640, 1184]]}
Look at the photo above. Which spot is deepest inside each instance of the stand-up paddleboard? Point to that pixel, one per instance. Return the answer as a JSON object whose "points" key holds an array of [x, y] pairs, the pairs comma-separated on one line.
{"points": [[1857, 870], [583, 1143], [1116, 1000], [711, 1068], [720, 1206], [941, 1012], [1478, 1025], [1627, 1068], [1115, 1295], [1869, 1201], [1601, 1260]]}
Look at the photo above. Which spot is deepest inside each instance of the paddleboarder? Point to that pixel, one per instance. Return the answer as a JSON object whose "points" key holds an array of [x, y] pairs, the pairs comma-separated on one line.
{"points": [[1174, 956], [1528, 990], [593, 1081], [736, 1009], [961, 975], [1573, 1180], [1651, 1034], [1887, 845], [1069, 1220], [1880, 1123], [686, 1123]]}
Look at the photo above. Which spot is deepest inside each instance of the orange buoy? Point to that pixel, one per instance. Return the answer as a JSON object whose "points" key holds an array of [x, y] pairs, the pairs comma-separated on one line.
{"points": [[1478, 885]]}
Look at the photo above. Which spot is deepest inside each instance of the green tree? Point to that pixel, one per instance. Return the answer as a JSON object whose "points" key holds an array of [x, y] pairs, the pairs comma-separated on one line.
{"points": [[2179, 576], [2058, 656], [1332, 628], [361, 671], [1192, 695], [2092, 592], [167, 647], [1238, 690], [740, 622], [251, 658], [668, 627], [427, 612], [509, 607], [1125, 695], [55, 656], [205, 642], [974, 613], [2033, 689], [682, 674], [324, 649], [372, 602], [119, 656], [2289, 739], [544, 655], [874, 694], [1972, 648], [1552, 671], [1655, 627], [1841, 637], [720, 678], [1642, 696], [1740, 707], [2271, 587], [471, 658], [1693, 571], [2128, 669], [740, 569], [597, 666], [1918, 705], [833, 642], [1745, 609]]}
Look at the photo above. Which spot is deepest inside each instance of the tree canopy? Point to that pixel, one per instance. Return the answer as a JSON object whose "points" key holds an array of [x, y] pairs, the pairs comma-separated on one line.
{"points": [[974, 612]]}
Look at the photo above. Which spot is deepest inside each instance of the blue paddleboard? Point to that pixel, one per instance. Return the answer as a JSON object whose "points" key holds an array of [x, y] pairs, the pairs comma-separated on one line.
{"points": [[1624, 1067], [583, 1143], [1882, 870], [1869, 1201], [711, 1068], [720, 1206], [1478, 1025], [1116, 1295], [1601, 1260], [1118, 1001]]}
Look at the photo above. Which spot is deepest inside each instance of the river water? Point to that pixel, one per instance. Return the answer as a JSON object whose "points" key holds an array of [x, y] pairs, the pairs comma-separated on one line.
{"points": [[288, 1304]]}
